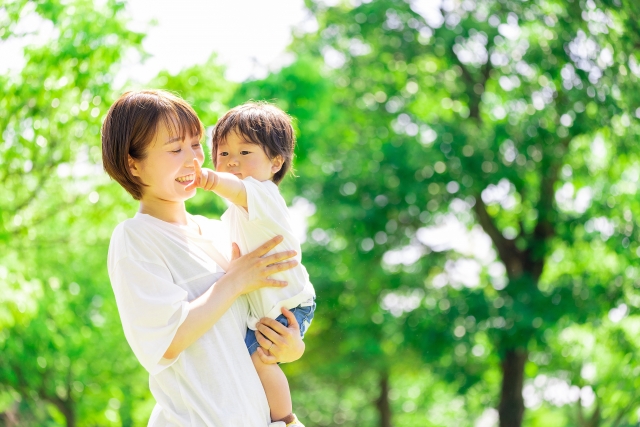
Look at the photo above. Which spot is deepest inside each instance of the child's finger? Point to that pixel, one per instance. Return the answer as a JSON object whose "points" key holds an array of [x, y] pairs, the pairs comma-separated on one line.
{"points": [[196, 180], [212, 180], [196, 165], [204, 180]]}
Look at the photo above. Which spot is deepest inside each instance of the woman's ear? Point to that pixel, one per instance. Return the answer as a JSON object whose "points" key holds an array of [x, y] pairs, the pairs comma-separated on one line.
{"points": [[276, 164], [133, 167]]}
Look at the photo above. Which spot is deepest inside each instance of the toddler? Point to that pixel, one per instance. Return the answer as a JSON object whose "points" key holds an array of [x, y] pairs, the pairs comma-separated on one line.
{"points": [[252, 151]]}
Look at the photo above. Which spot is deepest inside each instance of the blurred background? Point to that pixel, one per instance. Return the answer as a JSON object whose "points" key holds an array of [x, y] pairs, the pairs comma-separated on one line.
{"points": [[467, 191]]}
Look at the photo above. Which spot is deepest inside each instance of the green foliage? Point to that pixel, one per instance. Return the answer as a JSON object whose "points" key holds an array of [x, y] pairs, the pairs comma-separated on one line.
{"points": [[510, 125], [60, 338], [496, 117]]}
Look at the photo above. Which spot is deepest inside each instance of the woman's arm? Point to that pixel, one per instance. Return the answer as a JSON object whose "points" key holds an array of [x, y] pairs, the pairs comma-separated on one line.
{"points": [[245, 274], [223, 184]]}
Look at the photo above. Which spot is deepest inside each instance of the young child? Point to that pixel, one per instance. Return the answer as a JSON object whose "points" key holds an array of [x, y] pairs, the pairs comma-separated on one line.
{"points": [[252, 151]]}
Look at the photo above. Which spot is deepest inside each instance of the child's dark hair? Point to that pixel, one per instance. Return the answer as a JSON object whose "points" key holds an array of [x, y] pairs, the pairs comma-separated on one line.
{"points": [[131, 126], [260, 123]]}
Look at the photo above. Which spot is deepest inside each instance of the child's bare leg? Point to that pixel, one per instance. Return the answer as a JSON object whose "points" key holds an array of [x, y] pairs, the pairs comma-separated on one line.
{"points": [[276, 387]]}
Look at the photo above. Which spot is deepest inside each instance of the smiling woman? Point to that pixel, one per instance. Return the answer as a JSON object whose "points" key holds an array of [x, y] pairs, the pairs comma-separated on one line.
{"points": [[163, 170], [161, 120], [182, 303]]}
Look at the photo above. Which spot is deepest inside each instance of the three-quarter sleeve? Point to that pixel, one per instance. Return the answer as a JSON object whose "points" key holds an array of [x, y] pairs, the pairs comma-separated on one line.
{"points": [[151, 308]]}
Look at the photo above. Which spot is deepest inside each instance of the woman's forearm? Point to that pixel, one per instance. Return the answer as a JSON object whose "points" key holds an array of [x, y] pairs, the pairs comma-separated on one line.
{"points": [[204, 312], [245, 274]]}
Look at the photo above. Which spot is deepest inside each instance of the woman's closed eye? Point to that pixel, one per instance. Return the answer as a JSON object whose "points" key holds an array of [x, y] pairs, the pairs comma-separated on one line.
{"points": [[197, 146]]}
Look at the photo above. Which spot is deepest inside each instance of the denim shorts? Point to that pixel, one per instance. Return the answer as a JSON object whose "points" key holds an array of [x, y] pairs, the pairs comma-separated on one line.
{"points": [[304, 316]]}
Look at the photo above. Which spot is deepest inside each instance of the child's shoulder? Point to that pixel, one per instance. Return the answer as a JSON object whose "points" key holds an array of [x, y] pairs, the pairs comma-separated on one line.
{"points": [[262, 189], [266, 185], [264, 200]]}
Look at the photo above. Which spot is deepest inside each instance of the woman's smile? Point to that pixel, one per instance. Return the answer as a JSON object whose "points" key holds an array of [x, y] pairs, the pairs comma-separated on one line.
{"points": [[186, 179]]}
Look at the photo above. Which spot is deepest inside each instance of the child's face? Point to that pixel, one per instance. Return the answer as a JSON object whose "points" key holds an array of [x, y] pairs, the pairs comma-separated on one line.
{"points": [[240, 157], [168, 167]]}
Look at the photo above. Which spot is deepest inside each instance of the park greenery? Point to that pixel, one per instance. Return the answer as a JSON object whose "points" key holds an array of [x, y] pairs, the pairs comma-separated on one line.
{"points": [[469, 174]]}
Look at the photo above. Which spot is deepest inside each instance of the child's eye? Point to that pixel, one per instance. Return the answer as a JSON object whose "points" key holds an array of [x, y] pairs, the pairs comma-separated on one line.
{"points": [[176, 151], [197, 145], [245, 152], [223, 154]]}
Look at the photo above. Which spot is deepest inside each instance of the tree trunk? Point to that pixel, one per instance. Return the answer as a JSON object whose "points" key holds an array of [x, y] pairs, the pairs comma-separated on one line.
{"points": [[382, 403], [9, 418], [511, 407], [66, 407], [594, 419]]}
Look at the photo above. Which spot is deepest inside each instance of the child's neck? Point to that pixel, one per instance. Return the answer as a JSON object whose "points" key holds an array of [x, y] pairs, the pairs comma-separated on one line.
{"points": [[172, 212]]}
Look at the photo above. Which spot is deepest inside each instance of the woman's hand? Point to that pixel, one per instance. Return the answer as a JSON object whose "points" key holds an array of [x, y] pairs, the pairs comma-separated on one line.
{"points": [[250, 272], [279, 343], [245, 274]]}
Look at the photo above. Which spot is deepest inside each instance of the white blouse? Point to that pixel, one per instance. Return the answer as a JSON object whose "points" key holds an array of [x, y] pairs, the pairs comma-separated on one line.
{"points": [[155, 268]]}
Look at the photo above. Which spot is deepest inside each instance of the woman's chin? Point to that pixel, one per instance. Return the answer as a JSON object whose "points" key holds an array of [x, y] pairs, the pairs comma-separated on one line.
{"points": [[180, 189], [186, 195]]}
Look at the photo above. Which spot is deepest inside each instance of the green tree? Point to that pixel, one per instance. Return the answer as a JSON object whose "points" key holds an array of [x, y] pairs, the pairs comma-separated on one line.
{"points": [[508, 115], [61, 344]]}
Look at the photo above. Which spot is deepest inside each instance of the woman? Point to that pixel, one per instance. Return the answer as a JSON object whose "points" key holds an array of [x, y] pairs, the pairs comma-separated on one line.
{"points": [[181, 302]]}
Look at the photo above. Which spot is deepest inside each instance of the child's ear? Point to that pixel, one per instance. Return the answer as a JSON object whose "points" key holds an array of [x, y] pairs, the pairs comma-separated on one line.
{"points": [[276, 164], [133, 167]]}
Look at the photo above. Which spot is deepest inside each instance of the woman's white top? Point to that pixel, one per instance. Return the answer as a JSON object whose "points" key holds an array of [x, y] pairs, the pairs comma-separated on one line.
{"points": [[267, 217], [156, 268]]}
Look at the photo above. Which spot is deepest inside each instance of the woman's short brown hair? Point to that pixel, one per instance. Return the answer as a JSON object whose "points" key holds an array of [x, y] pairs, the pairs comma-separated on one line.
{"points": [[131, 125], [260, 123]]}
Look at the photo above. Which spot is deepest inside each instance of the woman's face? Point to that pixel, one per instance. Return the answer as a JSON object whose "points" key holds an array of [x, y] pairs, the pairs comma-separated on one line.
{"points": [[168, 167]]}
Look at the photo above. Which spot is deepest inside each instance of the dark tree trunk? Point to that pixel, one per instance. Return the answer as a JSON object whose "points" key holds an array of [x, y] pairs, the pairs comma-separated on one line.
{"points": [[511, 407], [594, 419], [382, 403], [66, 407], [9, 418]]}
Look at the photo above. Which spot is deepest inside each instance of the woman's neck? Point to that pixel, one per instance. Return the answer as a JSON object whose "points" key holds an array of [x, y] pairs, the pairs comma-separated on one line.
{"points": [[172, 212]]}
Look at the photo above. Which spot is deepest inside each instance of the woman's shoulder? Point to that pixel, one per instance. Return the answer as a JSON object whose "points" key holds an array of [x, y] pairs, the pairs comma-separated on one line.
{"points": [[131, 228], [134, 238]]}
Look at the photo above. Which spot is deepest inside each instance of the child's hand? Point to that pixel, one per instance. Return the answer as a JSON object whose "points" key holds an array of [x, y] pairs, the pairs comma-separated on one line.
{"points": [[205, 178]]}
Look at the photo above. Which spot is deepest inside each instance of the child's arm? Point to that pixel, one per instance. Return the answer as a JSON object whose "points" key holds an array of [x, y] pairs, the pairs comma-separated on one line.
{"points": [[223, 184]]}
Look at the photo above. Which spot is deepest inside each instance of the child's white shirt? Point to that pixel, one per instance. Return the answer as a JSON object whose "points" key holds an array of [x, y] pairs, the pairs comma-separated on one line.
{"points": [[267, 217]]}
